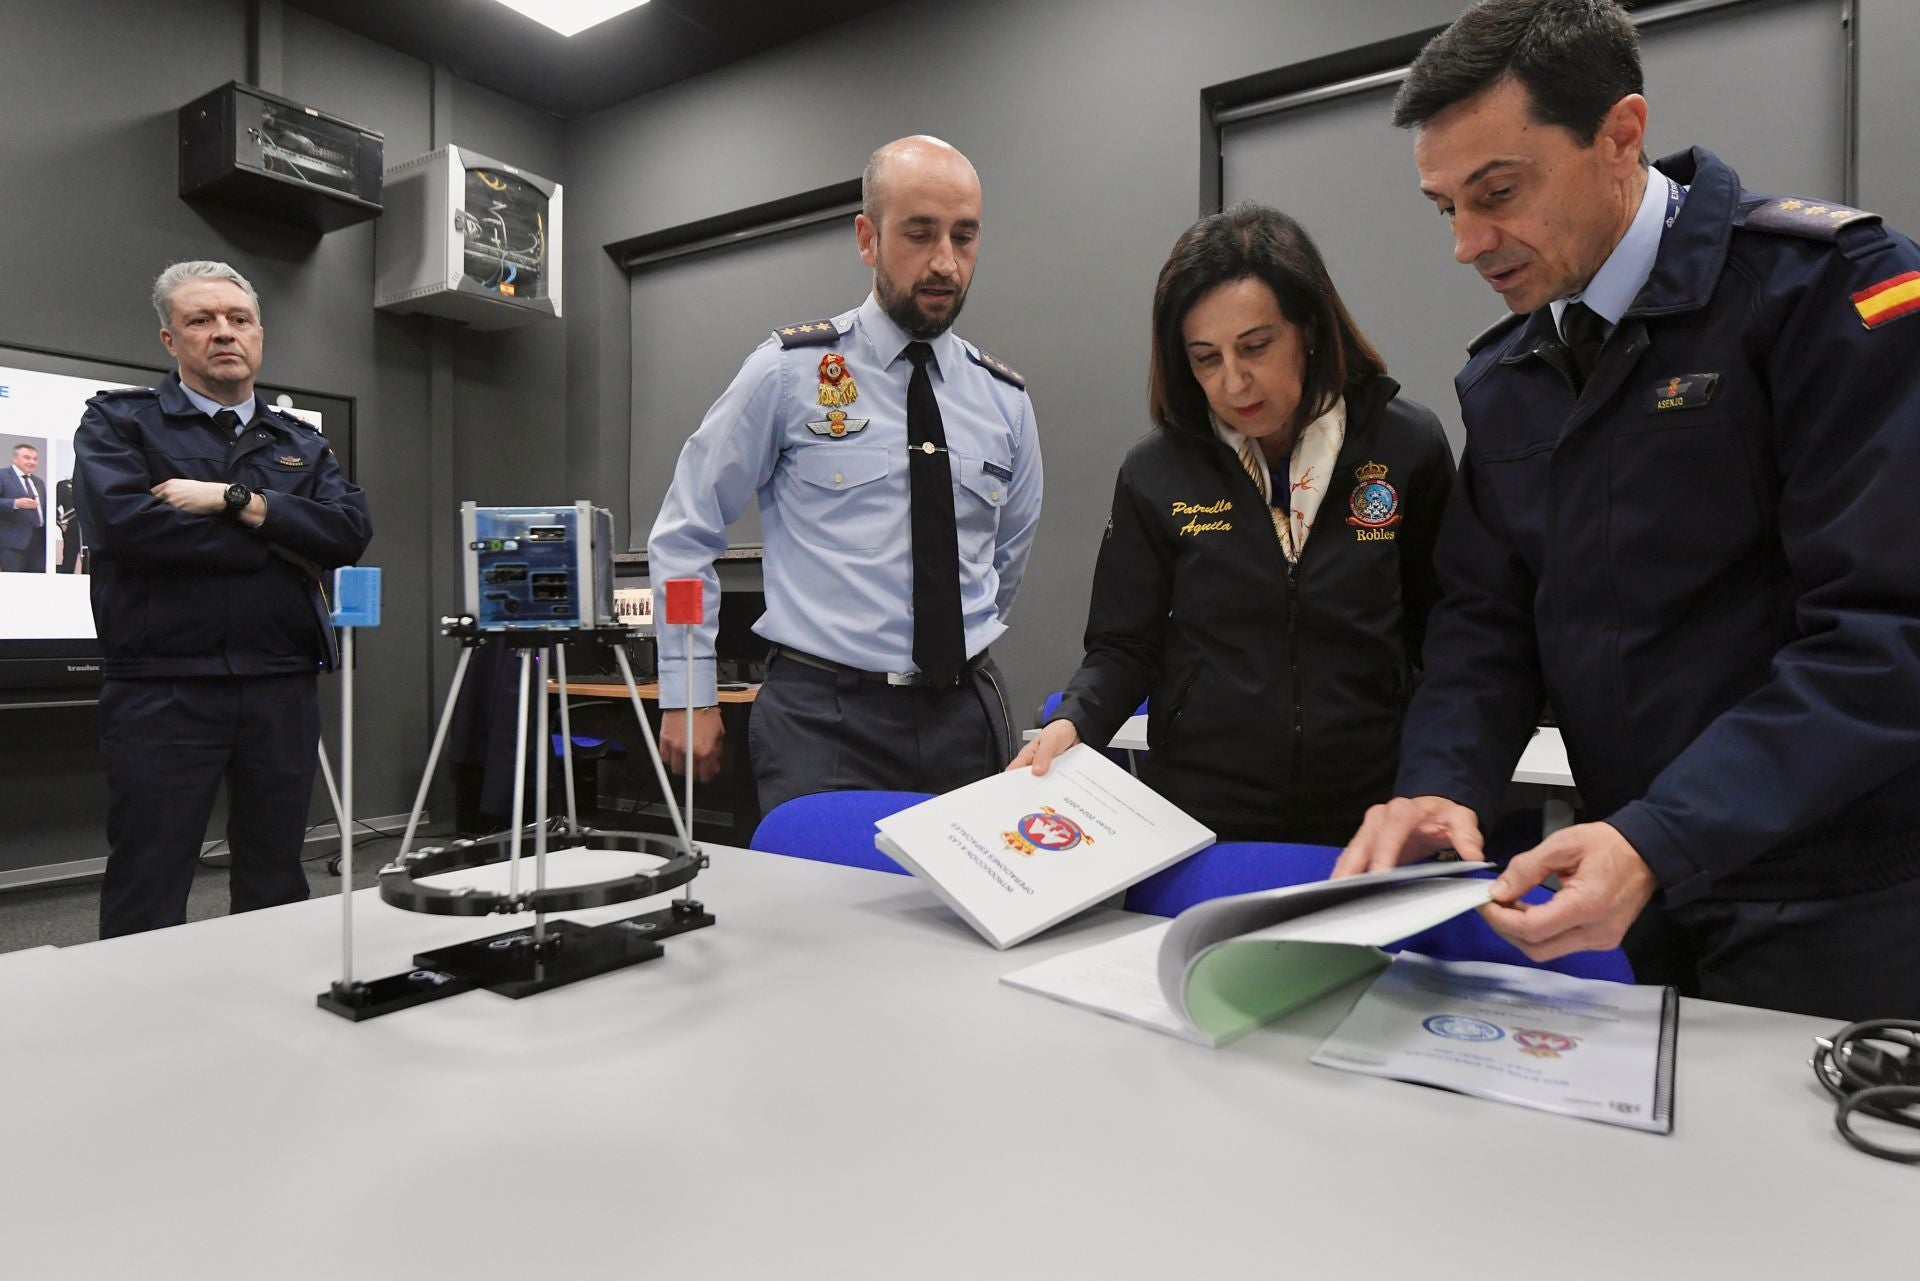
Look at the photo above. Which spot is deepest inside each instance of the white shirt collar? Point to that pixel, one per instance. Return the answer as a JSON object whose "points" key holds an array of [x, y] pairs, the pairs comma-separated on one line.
{"points": [[889, 340], [1624, 273], [209, 406]]}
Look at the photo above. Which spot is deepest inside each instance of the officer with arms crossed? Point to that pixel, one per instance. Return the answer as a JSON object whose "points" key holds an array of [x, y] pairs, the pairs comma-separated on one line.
{"points": [[897, 471], [210, 517], [1681, 520]]}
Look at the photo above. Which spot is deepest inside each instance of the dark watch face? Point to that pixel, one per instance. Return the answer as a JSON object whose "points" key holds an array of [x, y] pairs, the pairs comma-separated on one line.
{"points": [[238, 496]]}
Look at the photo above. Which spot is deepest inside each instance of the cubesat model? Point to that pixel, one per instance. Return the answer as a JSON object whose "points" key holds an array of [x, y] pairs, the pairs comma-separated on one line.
{"points": [[535, 577]]}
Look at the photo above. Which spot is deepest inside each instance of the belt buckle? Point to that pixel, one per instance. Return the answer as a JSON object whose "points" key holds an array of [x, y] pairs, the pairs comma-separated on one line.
{"points": [[903, 678]]}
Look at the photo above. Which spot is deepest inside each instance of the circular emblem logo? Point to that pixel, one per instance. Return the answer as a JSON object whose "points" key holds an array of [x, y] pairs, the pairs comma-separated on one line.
{"points": [[1374, 503], [836, 422], [1457, 1027], [1545, 1045], [1053, 832]]}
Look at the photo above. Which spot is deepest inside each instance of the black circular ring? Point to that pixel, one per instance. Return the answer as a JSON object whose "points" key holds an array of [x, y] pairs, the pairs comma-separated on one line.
{"points": [[400, 885]]}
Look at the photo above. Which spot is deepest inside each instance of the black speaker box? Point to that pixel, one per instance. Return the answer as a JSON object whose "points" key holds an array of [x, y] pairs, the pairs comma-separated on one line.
{"points": [[247, 148]]}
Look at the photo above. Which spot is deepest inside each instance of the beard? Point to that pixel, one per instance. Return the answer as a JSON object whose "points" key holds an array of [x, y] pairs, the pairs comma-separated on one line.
{"points": [[903, 305]]}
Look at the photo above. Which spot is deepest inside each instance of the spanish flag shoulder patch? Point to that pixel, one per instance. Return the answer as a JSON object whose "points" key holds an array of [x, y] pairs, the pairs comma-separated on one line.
{"points": [[1889, 300]]}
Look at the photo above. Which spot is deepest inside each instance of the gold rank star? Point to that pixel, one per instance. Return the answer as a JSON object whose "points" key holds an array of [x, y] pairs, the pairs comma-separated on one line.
{"points": [[1792, 204], [1816, 209], [789, 331]]}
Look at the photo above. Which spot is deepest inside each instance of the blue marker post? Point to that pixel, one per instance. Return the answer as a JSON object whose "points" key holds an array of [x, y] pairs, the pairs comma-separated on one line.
{"points": [[356, 604]]}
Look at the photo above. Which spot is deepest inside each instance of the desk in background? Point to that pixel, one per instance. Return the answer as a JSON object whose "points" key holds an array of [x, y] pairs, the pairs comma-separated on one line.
{"points": [[733, 806], [831, 1082]]}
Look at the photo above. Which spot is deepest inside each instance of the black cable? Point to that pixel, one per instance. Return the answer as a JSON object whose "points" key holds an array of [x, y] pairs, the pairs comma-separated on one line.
{"points": [[1873, 1068]]}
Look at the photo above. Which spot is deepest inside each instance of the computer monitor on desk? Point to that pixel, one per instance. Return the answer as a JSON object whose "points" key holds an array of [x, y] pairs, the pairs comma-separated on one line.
{"points": [[739, 652]]}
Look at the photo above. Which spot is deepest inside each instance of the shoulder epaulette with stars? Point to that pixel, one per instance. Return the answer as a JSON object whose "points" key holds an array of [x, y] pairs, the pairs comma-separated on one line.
{"points": [[1492, 332], [292, 419], [815, 333], [998, 368], [1811, 219]]}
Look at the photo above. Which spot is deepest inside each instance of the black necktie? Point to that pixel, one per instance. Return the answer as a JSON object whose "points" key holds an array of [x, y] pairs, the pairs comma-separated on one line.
{"points": [[1583, 331], [939, 643], [33, 492], [228, 422]]}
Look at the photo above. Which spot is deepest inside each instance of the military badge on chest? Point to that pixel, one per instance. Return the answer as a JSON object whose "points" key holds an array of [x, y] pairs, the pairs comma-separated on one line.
{"points": [[1374, 505], [836, 382]]}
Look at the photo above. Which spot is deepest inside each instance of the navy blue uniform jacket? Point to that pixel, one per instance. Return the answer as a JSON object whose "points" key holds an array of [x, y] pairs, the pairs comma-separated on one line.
{"points": [[1705, 561], [180, 595], [1275, 691]]}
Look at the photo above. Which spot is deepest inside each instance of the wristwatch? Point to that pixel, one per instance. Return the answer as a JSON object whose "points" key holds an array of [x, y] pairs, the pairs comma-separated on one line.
{"points": [[238, 496]]}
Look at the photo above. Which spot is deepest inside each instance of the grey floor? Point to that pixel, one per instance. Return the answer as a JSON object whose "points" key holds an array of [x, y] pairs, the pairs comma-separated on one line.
{"points": [[69, 912]]}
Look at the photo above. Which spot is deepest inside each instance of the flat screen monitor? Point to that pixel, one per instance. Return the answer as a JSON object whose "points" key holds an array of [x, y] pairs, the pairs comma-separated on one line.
{"points": [[48, 651]]}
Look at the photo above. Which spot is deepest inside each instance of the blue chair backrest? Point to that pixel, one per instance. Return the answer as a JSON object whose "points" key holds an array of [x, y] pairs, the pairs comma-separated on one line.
{"points": [[833, 827], [1229, 867], [1240, 867]]}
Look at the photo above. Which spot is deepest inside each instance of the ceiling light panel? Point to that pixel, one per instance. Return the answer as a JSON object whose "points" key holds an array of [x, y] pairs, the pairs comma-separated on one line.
{"points": [[570, 17]]}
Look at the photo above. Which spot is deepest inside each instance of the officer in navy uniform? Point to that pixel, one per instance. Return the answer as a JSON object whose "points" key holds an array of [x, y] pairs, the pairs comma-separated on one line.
{"points": [[210, 518], [1684, 519], [23, 513], [897, 471]]}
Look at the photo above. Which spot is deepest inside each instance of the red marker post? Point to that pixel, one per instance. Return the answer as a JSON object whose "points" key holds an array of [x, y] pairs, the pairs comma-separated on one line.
{"points": [[686, 607]]}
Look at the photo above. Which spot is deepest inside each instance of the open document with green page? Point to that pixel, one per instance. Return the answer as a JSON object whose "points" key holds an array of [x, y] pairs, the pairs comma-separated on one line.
{"points": [[1580, 1047], [1223, 967], [1015, 853]]}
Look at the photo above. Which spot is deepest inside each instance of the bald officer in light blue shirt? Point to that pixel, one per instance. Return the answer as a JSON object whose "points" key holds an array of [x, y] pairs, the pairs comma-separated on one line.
{"points": [[815, 426]]}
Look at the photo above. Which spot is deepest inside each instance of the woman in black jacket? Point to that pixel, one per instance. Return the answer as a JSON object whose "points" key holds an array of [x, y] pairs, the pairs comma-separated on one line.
{"points": [[1267, 568]]}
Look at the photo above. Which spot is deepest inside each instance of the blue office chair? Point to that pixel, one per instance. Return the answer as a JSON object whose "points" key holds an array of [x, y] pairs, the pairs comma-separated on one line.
{"points": [[1240, 867], [833, 827], [1229, 867]]}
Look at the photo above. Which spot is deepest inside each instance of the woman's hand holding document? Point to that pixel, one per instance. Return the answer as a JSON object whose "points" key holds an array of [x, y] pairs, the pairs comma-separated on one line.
{"points": [[1017, 852]]}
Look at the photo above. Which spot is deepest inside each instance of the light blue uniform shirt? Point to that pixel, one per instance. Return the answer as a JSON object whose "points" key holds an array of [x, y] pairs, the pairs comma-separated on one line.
{"points": [[834, 510], [209, 406], [1622, 276]]}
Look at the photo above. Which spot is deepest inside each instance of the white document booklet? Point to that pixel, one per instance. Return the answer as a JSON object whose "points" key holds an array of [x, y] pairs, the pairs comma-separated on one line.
{"points": [[1225, 966], [1014, 854], [1580, 1047]]}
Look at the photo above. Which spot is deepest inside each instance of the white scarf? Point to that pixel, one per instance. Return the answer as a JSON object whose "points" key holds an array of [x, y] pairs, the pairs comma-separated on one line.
{"points": [[1309, 468]]}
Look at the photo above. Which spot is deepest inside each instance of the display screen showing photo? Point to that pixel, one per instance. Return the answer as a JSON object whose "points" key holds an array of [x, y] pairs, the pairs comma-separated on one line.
{"points": [[46, 617]]}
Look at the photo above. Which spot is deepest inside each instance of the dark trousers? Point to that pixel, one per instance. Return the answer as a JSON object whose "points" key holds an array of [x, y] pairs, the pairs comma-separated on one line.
{"points": [[818, 731], [168, 744], [1848, 958], [31, 559]]}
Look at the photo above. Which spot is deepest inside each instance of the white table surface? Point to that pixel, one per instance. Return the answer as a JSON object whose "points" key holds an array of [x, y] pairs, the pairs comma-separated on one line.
{"points": [[831, 1083]]}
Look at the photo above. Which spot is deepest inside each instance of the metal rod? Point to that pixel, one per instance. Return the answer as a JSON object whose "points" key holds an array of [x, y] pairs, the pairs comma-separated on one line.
{"points": [[540, 797], [653, 748], [433, 753], [519, 777], [686, 647], [566, 737], [345, 812]]}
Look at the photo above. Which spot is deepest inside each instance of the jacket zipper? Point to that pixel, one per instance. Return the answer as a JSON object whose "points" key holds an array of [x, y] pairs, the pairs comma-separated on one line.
{"points": [[1295, 766]]}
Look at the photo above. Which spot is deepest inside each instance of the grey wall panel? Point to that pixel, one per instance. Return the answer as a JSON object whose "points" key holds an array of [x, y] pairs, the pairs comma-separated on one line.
{"points": [[1889, 40], [1083, 119], [1348, 174], [89, 94], [737, 295]]}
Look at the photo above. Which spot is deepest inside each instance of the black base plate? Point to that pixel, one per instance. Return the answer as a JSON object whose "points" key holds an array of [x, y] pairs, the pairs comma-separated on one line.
{"points": [[362, 1001], [512, 964]]}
